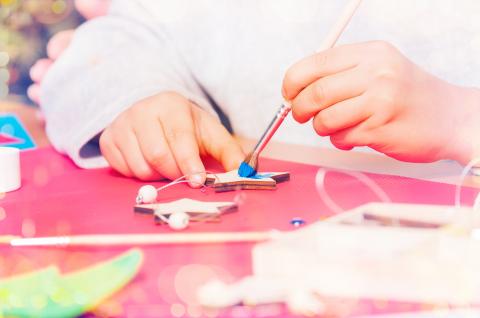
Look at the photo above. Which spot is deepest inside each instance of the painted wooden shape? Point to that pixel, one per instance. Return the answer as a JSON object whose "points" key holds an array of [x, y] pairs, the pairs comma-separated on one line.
{"points": [[198, 210], [230, 181]]}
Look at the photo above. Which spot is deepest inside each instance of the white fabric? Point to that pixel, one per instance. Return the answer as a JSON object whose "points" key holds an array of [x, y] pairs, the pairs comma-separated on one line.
{"points": [[237, 52]]}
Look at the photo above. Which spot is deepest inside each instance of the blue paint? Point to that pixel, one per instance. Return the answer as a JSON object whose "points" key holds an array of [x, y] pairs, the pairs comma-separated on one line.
{"points": [[12, 130], [261, 176], [246, 171]]}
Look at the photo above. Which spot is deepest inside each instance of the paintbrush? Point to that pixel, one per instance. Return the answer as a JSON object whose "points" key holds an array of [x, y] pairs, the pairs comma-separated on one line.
{"points": [[249, 166]]}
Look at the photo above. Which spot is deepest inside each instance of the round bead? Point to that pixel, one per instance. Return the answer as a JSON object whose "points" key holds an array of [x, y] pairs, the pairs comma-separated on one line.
{"points": [[297, 222], [178, 220], [146, 194]]}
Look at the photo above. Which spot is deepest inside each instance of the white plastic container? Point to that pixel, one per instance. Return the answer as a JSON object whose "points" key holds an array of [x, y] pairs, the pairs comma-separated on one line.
{"points": [[10, 177]]}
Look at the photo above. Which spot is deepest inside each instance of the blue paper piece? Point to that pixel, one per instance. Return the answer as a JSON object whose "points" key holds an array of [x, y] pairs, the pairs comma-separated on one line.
{"points": [[15, 135]]}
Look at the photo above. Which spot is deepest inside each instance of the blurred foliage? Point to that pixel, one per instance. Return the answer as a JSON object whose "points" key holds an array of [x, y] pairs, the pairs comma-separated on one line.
{"points": [[26, 26]]}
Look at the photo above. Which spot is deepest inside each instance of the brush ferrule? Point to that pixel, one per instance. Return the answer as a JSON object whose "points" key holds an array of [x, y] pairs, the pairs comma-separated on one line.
{"points": [[272, 128]]}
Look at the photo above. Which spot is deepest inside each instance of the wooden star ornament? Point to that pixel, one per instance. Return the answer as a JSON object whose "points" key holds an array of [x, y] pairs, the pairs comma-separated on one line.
{"points": [[230, 181], [197, 210]]}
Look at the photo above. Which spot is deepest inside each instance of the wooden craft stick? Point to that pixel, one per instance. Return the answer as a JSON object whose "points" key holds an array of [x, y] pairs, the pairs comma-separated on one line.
{"points": [[144, 239]]}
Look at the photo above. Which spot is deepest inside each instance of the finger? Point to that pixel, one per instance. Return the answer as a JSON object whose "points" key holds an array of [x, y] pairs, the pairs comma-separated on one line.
{"points": [[328, 91], [127, 143], [39, 69], [180, 133], [33, 93], [113, 155], [217, 141], [319, 65], [90, 9], [342, 115], [155, 148], [58, 43], [356, 136]]}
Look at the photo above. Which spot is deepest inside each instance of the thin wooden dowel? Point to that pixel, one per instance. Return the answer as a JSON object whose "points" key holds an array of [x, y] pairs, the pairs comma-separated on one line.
{"points": [[145, 239]]}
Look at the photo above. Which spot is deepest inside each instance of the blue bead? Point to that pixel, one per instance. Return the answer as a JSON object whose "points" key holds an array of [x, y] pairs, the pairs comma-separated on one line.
{"points": [[297, 222]]}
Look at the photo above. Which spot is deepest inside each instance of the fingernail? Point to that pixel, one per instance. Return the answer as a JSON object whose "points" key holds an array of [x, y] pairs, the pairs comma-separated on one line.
{"points": [[284, 92], [196, 180]]}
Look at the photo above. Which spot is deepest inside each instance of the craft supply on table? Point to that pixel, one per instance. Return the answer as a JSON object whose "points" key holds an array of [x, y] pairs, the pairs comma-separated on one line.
{"points": [[249, 166], [10, 173], [343, 257], [230, 181], [142, 239], [13, 133], [297, 222], [47, 293], [178, 213]]}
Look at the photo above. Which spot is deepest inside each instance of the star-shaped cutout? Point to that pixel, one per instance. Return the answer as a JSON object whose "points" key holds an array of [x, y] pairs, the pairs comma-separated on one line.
{"points": [[198, 210], [229, 181]]}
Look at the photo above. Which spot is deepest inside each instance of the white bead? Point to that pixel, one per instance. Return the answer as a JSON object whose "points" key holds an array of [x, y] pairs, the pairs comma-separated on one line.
{"points": [[178, 220], [146, 194]]}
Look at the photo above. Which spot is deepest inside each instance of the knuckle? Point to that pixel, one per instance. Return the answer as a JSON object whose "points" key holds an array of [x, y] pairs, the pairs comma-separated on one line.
{"points": [[157, 157], [386, 95], [385, 72], [382, 47], [319, 92], [177, 135], [321, 59]]}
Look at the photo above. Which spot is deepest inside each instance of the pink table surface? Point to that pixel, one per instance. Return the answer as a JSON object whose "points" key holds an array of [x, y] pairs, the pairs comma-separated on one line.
{"points": [[58, 198]]}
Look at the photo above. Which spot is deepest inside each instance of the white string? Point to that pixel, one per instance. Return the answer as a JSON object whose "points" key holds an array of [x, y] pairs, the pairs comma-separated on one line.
{"points": [[183, 178], [372, 185], [463, 175]]}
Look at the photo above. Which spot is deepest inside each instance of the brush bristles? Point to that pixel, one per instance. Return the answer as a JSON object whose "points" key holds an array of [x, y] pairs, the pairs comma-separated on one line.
{"points": [[248, 168]]}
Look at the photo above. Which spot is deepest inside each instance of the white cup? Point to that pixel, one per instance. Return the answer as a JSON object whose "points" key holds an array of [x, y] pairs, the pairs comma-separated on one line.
{"points": [[10, 178]]}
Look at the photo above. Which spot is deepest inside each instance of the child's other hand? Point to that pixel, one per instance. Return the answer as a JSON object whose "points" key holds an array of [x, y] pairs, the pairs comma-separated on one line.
{"points": [[369, 94], [164, 136], [59, 42]]}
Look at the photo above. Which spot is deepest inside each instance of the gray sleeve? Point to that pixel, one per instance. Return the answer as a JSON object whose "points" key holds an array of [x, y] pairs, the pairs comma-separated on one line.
{"points": [[112, 62]]}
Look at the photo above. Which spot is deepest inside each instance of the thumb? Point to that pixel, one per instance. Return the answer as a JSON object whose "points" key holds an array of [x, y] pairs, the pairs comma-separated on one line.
{"points": [[217, 141]]}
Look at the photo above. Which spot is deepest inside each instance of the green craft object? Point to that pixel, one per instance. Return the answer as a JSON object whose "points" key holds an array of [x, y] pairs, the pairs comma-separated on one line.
{"points": [[47, 293]]}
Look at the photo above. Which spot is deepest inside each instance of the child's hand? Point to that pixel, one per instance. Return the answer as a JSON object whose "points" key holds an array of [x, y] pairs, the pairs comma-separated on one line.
{"points": [[164, 136], [369, 94], [59, 42]]}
